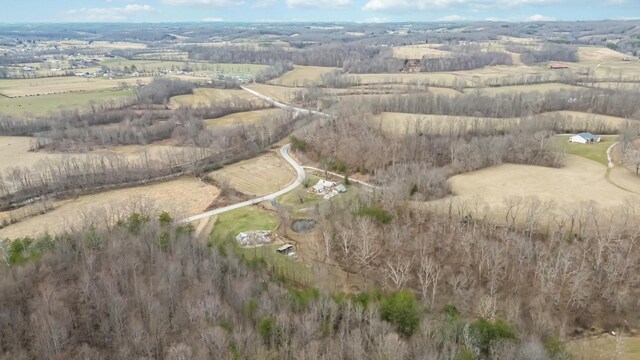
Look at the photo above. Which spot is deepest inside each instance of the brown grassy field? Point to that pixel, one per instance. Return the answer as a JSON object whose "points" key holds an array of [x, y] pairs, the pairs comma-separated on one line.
{"points": [[57, 85], [247, 117], [401, 123], [301, 75], [444, 79], [181, 197], [419, 51], [262, 175], [280, 93], [605, 347], [14, 152], [580, 181], [46, 104], [542, 88], [207, 97]]}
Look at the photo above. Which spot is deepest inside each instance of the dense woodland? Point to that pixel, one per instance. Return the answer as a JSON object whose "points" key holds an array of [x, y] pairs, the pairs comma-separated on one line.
{"points": [[148, 289]]}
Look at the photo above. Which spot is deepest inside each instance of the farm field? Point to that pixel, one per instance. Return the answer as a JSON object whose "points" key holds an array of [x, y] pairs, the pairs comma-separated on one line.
{"points": [[247, 117], [419, 51], [580, 181], [66, 44], [301, 75], [44, 104], [181, 197], [65, 84], [14, 152], [442, 79], [259, 176], [519, 89], [157, 65], [402, 123], [279, 93], [207, 97]]}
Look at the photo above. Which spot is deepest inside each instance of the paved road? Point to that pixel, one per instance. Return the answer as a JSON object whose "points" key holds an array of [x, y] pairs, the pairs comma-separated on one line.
{"points": [[280, 105], [284, 151]]}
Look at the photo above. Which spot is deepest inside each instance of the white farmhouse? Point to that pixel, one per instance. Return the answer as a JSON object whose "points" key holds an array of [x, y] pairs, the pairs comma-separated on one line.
{"points": [[584, 138]]}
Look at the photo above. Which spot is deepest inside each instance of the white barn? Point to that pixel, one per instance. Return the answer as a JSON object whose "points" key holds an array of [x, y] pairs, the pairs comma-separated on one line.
{"points": [[584, 138]]}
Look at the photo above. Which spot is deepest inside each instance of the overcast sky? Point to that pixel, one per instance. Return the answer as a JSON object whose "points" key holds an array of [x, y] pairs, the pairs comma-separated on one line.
{"points": [[314, 10]]}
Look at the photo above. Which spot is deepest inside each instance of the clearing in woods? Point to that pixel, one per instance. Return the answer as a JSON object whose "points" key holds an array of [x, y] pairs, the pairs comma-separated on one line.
{"points": [[207, 97], [246, 117], [301, 75], [228, 225], [259, 176], [44, 104], [596, 152], [181, 197]]}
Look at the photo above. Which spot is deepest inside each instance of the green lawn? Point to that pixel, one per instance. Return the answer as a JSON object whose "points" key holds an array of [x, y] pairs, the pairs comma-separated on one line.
{"points": [[596, 152], [604, 347], [231, 223], [43, 104]]}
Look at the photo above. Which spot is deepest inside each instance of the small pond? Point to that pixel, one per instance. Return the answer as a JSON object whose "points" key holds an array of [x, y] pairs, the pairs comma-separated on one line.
{"points": [[303, 225]]}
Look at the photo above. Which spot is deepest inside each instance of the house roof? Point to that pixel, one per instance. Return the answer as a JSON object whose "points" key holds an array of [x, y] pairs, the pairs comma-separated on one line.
{"points": [[588, 136]]}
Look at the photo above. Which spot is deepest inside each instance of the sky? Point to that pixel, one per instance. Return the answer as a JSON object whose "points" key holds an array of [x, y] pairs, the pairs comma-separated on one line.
{"points": [[16, 11]]}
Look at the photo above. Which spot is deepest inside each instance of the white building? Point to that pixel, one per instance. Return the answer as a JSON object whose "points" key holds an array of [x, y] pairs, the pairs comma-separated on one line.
{"points": [[584, 138]]}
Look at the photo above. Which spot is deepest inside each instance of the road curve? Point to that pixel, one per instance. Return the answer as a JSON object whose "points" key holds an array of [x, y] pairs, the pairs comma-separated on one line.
{"points": [[300, 175], [283, 106]]}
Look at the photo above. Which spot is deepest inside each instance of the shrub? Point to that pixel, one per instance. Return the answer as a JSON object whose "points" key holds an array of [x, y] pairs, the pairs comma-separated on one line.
{"points": [[298, 144], [401, 309], [267, 328], [485, 333], [376, 212], [165, 219]]}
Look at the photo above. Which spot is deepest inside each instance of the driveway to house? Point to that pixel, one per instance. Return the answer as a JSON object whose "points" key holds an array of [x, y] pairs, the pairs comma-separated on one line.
{"points": [[300, 175]]}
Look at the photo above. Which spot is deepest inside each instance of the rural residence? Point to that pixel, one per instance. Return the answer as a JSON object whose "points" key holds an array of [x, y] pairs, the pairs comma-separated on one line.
{"points": [[584, 138]]}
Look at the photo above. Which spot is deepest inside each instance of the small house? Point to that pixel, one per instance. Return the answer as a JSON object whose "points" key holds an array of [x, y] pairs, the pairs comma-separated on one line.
{"points": [[323, 186], [584, 138]]}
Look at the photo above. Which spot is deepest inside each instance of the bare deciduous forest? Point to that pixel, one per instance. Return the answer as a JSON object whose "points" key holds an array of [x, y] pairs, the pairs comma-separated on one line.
{"points": [[410, 257]]}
